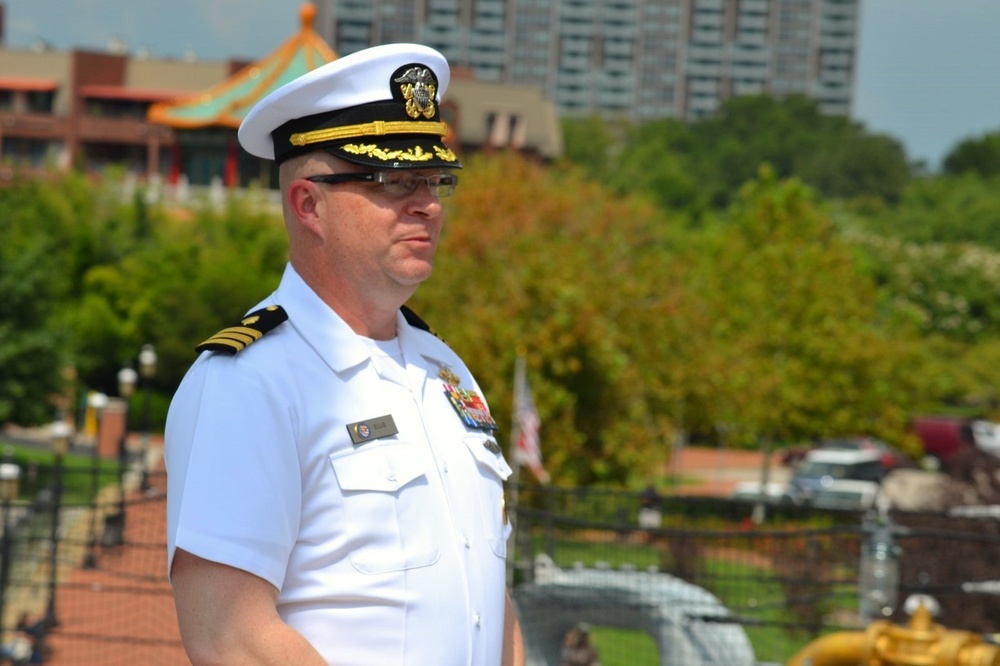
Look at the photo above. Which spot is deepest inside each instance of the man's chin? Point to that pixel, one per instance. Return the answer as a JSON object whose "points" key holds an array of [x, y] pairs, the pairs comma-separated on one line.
{"points": [[414, 275]]}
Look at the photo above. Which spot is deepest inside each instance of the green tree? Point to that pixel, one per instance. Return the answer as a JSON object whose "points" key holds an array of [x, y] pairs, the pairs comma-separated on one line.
{"points": [[703, 164], [197, 273], [553, 265], [797, 345], [948, 209], [34, 219], [980, 156]]}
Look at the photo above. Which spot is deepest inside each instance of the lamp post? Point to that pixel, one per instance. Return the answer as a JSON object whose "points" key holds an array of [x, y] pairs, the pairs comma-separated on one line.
{"points": [[10, 475], [97, 402], [114, 524], [878, 589], [60, 433], [147, 370]]}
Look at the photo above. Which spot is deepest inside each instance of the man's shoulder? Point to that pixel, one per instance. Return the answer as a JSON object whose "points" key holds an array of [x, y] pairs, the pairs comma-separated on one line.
{"points": [[244, 332], [414, 320]]}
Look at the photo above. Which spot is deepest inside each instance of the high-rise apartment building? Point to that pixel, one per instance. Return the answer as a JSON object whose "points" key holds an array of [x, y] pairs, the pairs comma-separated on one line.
{"points": [[638, 59]]}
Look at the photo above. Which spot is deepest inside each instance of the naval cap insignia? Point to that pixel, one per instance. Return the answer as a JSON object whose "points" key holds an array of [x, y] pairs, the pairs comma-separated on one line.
{"points": [[419, 87]]}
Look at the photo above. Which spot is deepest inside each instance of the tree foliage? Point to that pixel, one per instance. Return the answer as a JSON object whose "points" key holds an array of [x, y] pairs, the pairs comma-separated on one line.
{"points": [[764, 322], [798, 347], [980, 156], [87, 278], [551, 265], [946, 209], [704, 164], [645, 310]]}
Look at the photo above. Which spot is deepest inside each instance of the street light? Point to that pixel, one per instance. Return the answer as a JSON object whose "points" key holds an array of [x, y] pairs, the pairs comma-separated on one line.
{"points": [[60, 433], [10, 475], [97, 402], [114, 524], [878, 572], [147, 370]]}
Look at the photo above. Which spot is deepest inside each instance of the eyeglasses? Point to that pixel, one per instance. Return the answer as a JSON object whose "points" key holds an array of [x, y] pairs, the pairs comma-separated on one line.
{"points": [[394, 183]]}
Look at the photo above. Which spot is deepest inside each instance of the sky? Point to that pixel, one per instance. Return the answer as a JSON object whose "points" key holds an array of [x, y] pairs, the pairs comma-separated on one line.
{"points": [[927, 70]]}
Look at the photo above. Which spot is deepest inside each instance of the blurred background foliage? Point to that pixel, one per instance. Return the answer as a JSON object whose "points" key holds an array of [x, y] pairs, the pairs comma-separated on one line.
{"points": [[769, 274]]}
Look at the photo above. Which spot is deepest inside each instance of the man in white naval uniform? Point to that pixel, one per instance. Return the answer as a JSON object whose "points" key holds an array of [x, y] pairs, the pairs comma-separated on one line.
{"points": [[335, 489]]}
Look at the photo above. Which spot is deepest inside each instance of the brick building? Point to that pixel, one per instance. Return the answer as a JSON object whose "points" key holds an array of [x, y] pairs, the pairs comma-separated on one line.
{"points": [[176, 119]]}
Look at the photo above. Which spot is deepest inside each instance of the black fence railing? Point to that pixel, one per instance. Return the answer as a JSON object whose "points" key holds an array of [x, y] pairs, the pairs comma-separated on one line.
{"points": [[730, 589], [700, 581]]}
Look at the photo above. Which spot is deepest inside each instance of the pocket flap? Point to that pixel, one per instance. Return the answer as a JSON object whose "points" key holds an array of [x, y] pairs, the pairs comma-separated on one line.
{"points": [[487, 452], [378, 467]]}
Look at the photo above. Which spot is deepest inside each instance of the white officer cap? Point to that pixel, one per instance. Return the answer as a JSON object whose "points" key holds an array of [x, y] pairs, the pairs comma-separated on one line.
{"points": [[377, 107]]}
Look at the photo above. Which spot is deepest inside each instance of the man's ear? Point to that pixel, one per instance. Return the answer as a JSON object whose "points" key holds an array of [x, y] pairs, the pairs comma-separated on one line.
{"points": [[306, 203]]}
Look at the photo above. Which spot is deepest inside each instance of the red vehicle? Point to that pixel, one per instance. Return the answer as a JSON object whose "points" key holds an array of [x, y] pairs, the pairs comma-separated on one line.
{"points": [[943, 436]]}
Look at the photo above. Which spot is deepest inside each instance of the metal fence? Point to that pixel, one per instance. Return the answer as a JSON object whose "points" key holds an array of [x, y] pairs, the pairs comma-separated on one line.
{"points": [[710, 585], [86, 575], [702, 584]]}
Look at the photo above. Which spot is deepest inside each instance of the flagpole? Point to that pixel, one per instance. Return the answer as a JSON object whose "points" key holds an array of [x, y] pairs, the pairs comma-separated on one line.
{"points": [[515, 462]]}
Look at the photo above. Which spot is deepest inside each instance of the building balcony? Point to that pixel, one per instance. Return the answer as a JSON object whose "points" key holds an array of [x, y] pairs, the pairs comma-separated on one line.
{"points": [[749, 88], [713, 70], [752, 22], [837, 59], [490, 25], [122, 131], [834, 78], [836, 42], [748, 73], [755, 6], [710, 5], [32, 126], [575, 63], [618, 49], [703, 87]]}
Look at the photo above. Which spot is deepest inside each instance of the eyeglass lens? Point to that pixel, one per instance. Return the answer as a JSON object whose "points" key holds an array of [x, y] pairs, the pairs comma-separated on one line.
{"points": [[439, 184]]}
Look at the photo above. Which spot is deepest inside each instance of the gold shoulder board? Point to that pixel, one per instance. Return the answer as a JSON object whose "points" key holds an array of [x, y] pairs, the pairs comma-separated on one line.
{"points": [[250, 328]]}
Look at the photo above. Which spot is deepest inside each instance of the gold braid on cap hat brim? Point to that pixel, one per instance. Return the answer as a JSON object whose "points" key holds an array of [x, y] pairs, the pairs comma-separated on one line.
{"points": [[375, 128]]}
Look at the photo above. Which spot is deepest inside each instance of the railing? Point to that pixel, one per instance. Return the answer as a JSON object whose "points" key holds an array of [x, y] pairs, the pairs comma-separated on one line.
{"points": [[700, 566]]}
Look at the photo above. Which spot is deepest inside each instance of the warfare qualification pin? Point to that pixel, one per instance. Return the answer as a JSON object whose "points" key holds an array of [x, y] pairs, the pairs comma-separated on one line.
{"points": [[447, 375]]}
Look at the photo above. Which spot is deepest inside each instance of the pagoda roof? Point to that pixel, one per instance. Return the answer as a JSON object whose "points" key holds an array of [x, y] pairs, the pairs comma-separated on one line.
{"points": [[227, 103]]}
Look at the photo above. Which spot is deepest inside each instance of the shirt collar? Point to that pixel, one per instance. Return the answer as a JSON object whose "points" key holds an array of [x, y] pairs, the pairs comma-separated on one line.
{"points": [[334, 341]]}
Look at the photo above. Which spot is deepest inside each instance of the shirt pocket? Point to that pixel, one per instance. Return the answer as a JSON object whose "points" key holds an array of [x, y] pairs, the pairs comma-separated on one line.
{"points": [[492, 501], [385, 495]]}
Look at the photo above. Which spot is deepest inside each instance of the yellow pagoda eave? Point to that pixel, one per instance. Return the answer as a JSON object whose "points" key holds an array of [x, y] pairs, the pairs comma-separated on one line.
{"points": [[227, 103]]}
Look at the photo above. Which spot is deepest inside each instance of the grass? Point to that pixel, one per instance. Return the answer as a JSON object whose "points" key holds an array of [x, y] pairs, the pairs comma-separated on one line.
{"points": [[749, 590], [624, 647], [38, 468]]}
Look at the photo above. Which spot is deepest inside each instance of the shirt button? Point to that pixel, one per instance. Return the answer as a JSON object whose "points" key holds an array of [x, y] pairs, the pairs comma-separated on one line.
{"points": [[467, 542], [476, 620], [391, 477]]}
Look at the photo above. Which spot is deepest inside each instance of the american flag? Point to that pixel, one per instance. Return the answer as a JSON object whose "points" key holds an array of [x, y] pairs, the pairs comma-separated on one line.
{"points": [[528, 450]]}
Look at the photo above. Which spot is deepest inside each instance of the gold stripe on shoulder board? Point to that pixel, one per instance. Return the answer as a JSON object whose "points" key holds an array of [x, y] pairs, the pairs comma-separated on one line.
{"points": [[247, 330]]}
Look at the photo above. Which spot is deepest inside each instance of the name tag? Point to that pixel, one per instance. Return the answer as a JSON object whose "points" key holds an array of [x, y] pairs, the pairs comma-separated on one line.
{"points": [[376, 428]]}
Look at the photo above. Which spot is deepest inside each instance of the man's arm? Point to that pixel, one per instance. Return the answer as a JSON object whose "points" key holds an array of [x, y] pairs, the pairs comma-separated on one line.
{"points": [[228, 616], [513, 643]]}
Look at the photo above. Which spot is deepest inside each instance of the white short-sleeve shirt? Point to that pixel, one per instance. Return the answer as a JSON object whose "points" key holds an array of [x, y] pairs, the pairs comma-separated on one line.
{"points": [[386, 551]]}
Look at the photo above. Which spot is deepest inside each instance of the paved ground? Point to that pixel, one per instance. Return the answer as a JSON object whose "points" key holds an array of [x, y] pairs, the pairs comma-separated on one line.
{"points": [[120, 611], [717, 471]]}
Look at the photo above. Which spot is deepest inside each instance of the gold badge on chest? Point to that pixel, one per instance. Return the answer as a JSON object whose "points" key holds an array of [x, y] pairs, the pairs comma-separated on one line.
{"points": [[449, 377]]}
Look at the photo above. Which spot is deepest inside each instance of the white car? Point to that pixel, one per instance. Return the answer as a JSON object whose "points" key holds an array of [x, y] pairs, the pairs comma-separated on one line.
{"points": [[822, 467], [986, 434], [774, 493], [846, 494]]}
